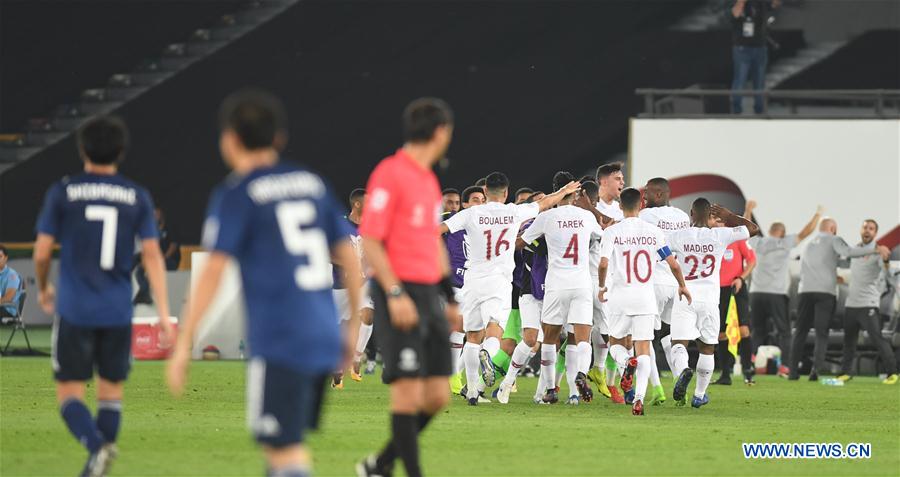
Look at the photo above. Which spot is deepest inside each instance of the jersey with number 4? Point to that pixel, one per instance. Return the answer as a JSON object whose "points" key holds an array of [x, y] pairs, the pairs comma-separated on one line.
{"points": [[95, 219], [280, 224], [568, 231], [699, 251], [491, 231], [631, 247]]}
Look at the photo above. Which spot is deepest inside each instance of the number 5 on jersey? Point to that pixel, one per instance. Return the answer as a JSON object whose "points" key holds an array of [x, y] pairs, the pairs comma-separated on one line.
{"points": [[311, 242]]}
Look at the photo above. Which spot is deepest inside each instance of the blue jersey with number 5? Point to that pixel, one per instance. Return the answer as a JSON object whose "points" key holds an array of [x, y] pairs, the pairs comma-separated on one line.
{"points": [[95, 219], [280, 224]]}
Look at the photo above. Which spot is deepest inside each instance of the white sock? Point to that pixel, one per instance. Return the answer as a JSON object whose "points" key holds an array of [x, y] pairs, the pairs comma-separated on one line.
{"points": [[473, 368], [519, 358], [679, 360], [571, 368], [654, 371], [666, 343], [644, 365], [600, 348], [456, 348], [492, 346], [365, 332], [620, 354], [548, 365], [705, 365], [584, 357]]}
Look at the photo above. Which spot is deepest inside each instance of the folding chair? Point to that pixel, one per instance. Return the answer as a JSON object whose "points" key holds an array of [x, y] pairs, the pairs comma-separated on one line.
{"points": [[19, 324]]}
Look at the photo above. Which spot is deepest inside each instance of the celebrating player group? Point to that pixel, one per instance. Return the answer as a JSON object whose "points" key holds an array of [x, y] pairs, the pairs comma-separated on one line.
{"points": [[460, 294]]}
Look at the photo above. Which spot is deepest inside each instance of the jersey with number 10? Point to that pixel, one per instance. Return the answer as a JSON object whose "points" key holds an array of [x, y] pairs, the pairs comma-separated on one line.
{"points": [[568, 231], [280, 224], [95, 219], [699, 252], [491, 231], [632, 246]]}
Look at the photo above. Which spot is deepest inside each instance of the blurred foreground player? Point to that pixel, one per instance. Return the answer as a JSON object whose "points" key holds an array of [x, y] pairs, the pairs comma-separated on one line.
{"points": [[95, 217], [281, 223], [403, 246]]}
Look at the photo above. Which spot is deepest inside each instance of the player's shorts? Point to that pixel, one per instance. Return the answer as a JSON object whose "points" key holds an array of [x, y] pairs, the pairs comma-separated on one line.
{"points": [[695, 321], [601, 312], [282, 403], [76, 350], [666, 296], [484, 301], [640, 327], [573, 307], [741, 301], [458, 296], [530, 311], [342, 301], [421, 352]]}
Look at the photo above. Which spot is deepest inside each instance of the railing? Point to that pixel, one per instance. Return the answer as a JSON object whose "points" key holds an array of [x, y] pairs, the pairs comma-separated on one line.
{"points": [[800, 104]]}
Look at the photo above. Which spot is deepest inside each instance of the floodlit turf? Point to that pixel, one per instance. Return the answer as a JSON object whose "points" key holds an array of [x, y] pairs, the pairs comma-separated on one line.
{"points": [[204, 433]]}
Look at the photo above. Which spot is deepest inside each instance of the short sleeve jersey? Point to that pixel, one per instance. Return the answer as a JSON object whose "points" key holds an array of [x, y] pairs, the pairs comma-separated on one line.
{"points": [[733, 261], [96, 219], [612, 210], [403, 211], [771, 274], [568, 231], [668, 219], [699, 251], [458, 253], [491, 231], [631, 247], [280, 223]]}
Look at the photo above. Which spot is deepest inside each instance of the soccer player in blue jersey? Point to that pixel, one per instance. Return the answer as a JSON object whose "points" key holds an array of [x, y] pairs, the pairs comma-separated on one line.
{"points": [[95, 217], [282, 225]]}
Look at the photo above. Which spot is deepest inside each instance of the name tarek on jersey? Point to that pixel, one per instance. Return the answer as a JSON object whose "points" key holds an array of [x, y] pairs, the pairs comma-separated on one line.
{"points": [[570, 224], [101, 191], [276, 187]]}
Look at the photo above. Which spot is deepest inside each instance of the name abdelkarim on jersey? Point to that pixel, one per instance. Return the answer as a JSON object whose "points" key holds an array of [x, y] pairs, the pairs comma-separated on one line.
{"points": [[568, 231], [95, 219], [699, 252], [491, 230], [280, 224], [632, 246]]}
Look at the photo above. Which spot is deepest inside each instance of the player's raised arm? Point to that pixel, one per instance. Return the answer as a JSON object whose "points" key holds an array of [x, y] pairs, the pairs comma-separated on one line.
{"points": [[733, 220], [585, 202], [810, 226], [551, 200]]}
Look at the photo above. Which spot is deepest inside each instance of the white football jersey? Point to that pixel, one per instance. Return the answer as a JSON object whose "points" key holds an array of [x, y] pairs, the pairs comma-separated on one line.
{"points": [[632, 246], [668, 219], [699, 251], [595, 260], [612, 210], [491, 231], [568, 231]]}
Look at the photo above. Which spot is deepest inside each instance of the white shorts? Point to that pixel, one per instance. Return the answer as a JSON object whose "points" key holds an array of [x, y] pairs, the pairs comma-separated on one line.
{"points": [[530, 311], [458, 295], [573, 307], [483, 301], [342, 301], [666, 296], [601, 312], [697, 320], [640, 327]]}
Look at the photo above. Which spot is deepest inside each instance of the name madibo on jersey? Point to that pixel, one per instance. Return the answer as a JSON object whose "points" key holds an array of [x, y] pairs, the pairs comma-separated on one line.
{"points": [[699, 251], [668, 219], [569, 231], [631, 247], [491, 230]]}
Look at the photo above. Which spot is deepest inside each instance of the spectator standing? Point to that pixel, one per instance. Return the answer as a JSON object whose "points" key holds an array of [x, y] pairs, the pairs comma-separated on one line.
{"points": [[867, 275], [770, 282], [10, 287], [818, 291], [749, 32]]}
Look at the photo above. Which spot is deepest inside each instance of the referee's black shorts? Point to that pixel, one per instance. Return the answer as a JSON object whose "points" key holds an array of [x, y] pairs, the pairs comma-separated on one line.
{"points": [[741, 300], [423, 351]]}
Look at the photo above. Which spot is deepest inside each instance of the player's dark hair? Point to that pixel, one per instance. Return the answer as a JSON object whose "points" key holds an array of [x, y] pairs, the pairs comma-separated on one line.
{"points": [[700, 207], [531, 198], [422, 116], [591, 189], [103, 139], [630, 199], [496, 182], [561, 178], [468, 191], [255, 116], [660, 182], [586, 178], [872, 221], [449, 190], [524, 190], [481, 182], [3, 249], [606, 169], [356, 194]]}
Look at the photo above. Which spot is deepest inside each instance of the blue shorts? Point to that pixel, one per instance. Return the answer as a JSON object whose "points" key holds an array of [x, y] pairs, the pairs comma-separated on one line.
{"points": [[78, 349], [282, 404]]}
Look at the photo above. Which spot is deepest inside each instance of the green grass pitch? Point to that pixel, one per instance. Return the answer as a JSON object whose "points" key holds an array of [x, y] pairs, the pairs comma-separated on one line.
{"points": [[204, 433]]}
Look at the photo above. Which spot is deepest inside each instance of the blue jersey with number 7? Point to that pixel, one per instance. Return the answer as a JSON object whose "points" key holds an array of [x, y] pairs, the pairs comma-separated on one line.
{"points": [[280, 224], [96, 219]]}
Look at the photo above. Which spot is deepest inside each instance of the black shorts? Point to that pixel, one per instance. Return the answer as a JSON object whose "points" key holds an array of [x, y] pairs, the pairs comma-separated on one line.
{"points": [[741, 300], [421, 352], [78, 349], [515, 296], [282, 404]]}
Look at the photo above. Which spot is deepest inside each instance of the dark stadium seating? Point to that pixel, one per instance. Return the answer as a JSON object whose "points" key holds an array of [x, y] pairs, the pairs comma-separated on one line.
{"points": [[871, 61]]}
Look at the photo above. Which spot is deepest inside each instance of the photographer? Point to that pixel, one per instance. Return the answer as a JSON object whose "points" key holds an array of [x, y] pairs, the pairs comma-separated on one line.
{"points": [[749, 33]]}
